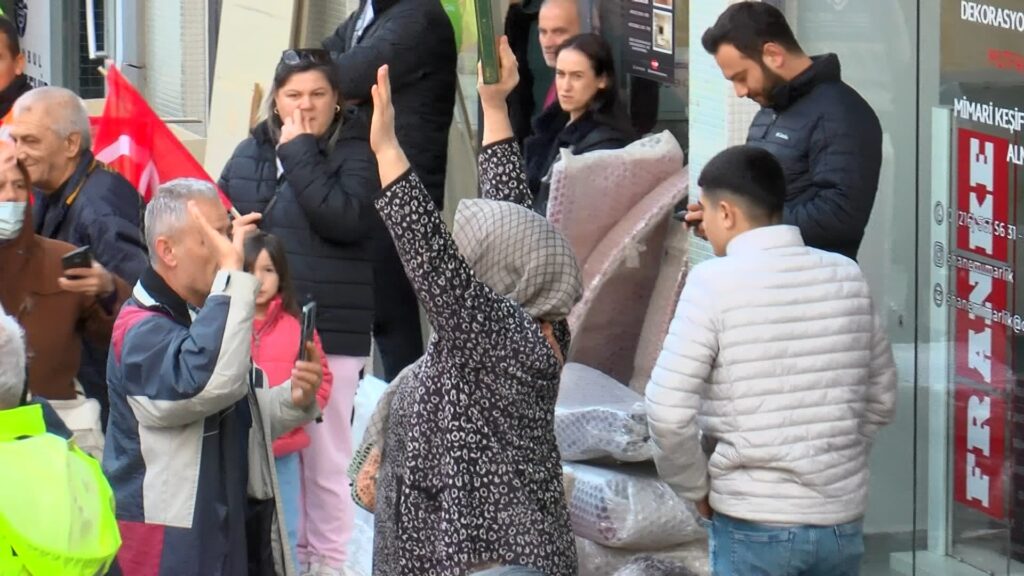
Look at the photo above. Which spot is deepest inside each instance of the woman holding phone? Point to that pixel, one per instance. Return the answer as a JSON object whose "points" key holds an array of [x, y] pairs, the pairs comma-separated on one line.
{"points": [[309, 170], [56, 311]]}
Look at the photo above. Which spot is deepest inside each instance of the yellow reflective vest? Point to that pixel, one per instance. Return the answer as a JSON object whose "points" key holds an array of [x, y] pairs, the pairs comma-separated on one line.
{"points": [[56, 507]]}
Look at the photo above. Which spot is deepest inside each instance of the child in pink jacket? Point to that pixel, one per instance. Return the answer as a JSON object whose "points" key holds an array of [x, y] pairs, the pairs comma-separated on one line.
{"points": [[275, 345]]}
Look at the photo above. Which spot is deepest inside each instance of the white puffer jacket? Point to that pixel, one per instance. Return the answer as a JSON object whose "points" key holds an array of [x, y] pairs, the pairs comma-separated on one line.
{"points": [[777, 355]]}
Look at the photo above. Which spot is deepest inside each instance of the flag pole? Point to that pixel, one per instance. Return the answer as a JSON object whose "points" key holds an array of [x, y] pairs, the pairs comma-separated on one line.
{"points": [[233, 210]]}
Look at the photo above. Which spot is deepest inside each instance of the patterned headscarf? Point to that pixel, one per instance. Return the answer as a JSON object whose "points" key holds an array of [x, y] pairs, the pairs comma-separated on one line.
{"points": [[519, 254]]}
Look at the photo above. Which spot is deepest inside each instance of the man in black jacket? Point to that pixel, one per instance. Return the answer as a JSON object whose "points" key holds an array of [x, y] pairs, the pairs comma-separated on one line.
{"points": [[825, 135], [416, 40], [80, 201]]}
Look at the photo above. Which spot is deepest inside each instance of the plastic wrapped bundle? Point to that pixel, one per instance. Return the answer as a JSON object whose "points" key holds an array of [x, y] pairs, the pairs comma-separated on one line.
{"points": [[360, 545], [597, 417], [629, 507], [597, 560]]}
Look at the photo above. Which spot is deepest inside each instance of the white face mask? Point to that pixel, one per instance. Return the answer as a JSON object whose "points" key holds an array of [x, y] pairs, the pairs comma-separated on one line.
{"points": [[12, 217]]}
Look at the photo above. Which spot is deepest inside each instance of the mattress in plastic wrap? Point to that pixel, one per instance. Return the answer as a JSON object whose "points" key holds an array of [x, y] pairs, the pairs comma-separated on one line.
{"points": [[629, 507], [619, 279], [597, 417], [597, 560]]}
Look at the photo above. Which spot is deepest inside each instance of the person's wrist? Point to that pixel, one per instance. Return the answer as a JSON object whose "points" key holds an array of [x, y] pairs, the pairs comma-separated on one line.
{"points": [[498, 106], [108, 286], [389, 151], [232, 264]]}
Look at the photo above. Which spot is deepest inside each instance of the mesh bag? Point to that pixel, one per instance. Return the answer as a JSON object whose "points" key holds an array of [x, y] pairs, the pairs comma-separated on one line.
{"points": [[597, 417], [366, 459], [629, 507]]}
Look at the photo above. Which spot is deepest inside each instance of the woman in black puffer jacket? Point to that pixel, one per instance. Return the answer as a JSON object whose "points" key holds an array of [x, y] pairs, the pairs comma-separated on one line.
{"points": [[309, 169]]}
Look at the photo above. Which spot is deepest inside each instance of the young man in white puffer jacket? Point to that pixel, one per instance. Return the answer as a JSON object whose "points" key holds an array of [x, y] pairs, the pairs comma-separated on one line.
{"points": [[777, 355]]}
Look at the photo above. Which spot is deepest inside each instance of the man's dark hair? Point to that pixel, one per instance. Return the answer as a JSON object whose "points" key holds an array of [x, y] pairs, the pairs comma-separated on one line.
{"points": [[752, 175], [8, 29], [749, 26]]}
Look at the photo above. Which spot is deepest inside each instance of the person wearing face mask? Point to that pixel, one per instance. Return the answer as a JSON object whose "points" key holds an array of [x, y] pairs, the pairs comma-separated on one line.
{"points": [[824, 133], [588, 115], [309, 170], [56, 312]]}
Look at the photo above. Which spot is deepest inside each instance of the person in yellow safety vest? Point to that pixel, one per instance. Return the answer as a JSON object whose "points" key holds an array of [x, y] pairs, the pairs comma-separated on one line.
{"points": [[56, 507]]}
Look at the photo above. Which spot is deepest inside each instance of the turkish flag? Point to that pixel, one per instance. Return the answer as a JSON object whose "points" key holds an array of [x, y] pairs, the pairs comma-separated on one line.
{"points": [[132, 139]]}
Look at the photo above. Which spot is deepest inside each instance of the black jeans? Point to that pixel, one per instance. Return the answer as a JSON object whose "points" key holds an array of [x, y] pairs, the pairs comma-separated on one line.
{"points": [[396, 323]]}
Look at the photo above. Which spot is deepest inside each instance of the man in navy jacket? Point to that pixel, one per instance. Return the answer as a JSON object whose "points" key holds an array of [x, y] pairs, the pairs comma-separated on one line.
{"points": [[81, 201], [825, 135]]}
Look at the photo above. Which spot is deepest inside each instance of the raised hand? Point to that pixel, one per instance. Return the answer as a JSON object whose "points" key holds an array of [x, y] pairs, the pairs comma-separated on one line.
{"points": [[382, 127], [391, 160], [230, 253], [496, 95], [307, 375]]}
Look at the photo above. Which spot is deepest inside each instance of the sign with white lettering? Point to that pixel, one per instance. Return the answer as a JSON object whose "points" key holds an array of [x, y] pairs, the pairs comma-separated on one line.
{"points": [[983, 224], [979, 422], [981, 334], [650, 46], [985, 238]]}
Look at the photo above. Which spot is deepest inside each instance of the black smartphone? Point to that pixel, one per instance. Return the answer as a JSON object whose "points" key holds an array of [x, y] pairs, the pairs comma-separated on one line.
{"points": [[308, 323], [79, 258], [679, 211]]}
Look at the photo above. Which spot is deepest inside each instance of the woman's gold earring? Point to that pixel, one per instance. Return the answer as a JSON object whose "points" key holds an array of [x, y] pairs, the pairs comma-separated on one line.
{"points": [[276, 113], [337, 108]]}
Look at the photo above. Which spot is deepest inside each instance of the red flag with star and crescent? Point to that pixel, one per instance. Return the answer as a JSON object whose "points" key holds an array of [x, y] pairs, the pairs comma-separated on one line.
{"points": [[130, 138]]}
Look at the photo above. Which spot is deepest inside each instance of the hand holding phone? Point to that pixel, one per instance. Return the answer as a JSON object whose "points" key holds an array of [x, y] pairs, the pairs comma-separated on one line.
{"points": [[308, 324], [78, 259], [308, 373], [83, 275]]}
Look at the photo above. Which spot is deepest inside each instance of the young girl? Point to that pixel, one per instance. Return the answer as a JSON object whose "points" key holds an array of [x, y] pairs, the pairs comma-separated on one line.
{"points": [[275, 343]]}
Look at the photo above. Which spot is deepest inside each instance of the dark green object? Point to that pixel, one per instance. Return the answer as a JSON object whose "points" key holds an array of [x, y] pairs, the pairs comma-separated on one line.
{"points": [[488, 32]]}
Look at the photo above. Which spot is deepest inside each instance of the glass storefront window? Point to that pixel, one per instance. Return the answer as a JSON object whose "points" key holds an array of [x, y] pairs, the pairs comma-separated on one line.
{"points": [[876, 44]]}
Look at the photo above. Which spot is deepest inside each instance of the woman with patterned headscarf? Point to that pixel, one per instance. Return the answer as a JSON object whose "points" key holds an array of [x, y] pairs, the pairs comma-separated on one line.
{"points": [[470, 477]]}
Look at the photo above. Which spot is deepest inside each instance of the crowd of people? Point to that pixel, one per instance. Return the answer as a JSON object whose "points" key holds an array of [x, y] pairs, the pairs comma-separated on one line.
{"points": [[158, 381]]}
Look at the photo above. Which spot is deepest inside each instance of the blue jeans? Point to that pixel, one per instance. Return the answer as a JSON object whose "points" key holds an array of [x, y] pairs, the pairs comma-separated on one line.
{"points": [[289, 482], [744, 548]]}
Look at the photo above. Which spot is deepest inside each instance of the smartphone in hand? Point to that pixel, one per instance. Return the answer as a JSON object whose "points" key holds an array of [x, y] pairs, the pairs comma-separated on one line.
{"points": [[308, 324], [80, 258], [680, 210]]}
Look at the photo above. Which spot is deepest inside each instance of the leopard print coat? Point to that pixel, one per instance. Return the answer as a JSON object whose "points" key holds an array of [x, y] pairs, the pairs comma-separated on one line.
{"points": [[471, 472]]}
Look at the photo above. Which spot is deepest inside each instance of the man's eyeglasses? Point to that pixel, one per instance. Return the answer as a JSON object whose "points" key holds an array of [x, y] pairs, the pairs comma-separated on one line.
{"points": [[293, 57]]}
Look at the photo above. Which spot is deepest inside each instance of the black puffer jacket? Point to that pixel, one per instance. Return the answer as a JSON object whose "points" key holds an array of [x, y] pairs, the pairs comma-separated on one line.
{"points": [[829, 142], [416, 40], [551, 133], [321, 209]]}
